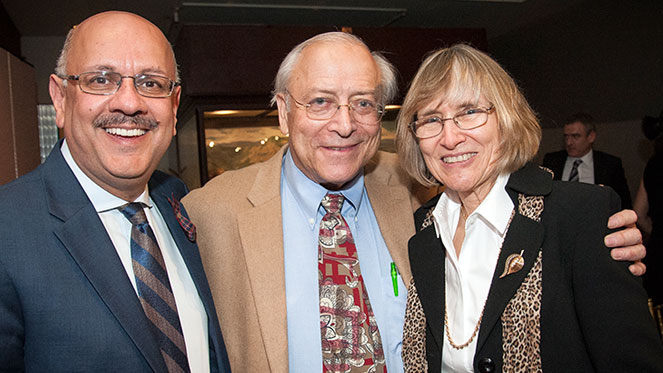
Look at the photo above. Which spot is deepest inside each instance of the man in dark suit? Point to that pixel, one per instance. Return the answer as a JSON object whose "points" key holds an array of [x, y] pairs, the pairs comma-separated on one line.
{"points": [[579, 162], [99, 270]]}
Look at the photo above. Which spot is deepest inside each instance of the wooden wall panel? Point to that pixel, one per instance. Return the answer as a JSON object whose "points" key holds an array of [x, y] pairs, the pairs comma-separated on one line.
{"points": [[26, 128], [7, 164], [19, 132]]}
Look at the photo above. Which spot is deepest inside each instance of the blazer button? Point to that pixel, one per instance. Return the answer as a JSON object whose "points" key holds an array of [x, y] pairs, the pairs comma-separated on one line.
{"points": [[486, 365]]}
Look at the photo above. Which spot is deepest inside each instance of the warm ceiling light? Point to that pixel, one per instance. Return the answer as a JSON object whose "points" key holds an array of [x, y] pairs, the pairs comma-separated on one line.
{"points": [[392, 107], [223, 112]]}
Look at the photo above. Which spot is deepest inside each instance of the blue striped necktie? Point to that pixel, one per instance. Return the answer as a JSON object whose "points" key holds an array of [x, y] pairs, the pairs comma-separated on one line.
{"points": [[154, 291]]}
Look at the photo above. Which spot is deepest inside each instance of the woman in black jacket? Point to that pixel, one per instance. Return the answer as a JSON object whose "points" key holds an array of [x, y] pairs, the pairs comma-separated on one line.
{"points": [[509, 268]]}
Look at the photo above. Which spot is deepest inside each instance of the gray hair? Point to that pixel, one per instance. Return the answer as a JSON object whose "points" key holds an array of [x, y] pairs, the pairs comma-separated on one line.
{"points": [[387, 88], [61, 64]]}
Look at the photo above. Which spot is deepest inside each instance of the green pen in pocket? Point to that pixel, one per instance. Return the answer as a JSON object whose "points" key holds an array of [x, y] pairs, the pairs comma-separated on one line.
{"points": [[394, 278]]}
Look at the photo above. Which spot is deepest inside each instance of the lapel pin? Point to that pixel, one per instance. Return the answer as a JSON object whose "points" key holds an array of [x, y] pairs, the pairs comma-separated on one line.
{"points": [[184, 222], [514, 263]]}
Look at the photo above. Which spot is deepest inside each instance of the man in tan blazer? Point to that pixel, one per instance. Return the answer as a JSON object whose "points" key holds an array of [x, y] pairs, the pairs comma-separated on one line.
{"points": [[240, 214]]}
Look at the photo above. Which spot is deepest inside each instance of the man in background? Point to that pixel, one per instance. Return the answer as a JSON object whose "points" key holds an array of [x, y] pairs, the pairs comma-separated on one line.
{"points": [[579, 162], [99, 270]]}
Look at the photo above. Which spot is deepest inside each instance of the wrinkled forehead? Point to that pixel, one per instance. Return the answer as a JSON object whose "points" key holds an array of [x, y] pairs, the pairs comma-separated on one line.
{"points": [[336, 66], [121, 43]]}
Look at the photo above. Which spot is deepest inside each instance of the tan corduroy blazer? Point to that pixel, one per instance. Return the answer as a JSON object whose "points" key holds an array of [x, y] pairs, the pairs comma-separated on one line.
{"points": [[240, 235]]}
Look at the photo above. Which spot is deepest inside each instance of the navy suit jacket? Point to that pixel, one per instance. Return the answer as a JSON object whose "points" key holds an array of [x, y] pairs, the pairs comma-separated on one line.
{"points": [[608, 171], [66, 302]]}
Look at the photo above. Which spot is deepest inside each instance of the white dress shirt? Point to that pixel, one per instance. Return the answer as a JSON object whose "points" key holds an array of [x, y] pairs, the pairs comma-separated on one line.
{"points": [[585, 169], [193, 317], [468, 276]]}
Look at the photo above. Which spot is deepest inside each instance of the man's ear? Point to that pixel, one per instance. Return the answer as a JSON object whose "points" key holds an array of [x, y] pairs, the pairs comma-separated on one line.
{"points": [[176, 103], [56, 88], [282, 107], [591, 136]]}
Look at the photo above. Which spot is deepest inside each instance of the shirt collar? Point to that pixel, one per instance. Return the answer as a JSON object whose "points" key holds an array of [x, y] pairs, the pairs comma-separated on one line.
{"points": [[101, 199], [308, 193], [491, 210], [586, 159]]}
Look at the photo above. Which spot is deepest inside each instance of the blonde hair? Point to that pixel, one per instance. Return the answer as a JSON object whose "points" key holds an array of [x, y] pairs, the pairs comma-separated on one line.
{"points": [[452, 74]]}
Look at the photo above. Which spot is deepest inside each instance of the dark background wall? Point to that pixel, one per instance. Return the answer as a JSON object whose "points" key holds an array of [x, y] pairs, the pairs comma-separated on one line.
{"points": [[602, 57]]}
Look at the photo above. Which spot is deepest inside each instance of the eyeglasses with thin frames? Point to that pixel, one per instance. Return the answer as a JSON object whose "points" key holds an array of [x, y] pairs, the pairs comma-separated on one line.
{"points": [[468, 119], [362, 109], [108, 82]]}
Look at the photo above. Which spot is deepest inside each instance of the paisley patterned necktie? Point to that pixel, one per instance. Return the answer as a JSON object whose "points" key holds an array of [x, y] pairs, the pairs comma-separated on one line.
{"points": [[350, 337]]}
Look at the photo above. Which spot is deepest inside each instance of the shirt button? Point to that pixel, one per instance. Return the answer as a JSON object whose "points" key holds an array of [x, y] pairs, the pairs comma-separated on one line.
{"points": [[311, 221]]}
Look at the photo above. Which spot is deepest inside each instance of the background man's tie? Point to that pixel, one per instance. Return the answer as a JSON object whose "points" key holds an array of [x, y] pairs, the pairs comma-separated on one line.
{"points": [[573, 176], [154, 289], [350, 337]]}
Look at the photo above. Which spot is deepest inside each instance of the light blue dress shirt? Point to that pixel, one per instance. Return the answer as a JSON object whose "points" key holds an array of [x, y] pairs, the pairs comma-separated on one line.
{"points": [[300, 200]]}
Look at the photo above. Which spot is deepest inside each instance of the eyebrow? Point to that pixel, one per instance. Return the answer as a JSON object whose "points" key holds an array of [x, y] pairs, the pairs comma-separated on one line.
{"points": [[149, 70], [457, 108], [315, 91]]}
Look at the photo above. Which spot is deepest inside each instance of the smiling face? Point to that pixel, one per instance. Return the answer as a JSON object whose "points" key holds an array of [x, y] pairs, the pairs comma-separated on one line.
{"points": [[330, 152], [465, 161], [117, 140]]}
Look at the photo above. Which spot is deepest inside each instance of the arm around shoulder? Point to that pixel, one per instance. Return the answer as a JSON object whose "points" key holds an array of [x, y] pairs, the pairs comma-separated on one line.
{"points": [[611, 304]]}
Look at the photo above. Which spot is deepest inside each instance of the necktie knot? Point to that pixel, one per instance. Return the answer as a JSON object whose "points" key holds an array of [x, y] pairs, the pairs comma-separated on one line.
{"points": [[134, 213], [577, 162], [332, 202]]}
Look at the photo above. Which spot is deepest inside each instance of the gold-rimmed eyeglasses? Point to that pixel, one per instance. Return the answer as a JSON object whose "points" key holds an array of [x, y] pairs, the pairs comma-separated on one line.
{"points": [[108, 82], [362, 109], [468, 119]]}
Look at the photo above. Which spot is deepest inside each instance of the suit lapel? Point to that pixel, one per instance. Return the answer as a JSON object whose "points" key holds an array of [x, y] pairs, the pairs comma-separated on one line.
{"points": [[262, 242], [427, 258], [192, 260], [524, 234], [187, 249], [88, 243]]}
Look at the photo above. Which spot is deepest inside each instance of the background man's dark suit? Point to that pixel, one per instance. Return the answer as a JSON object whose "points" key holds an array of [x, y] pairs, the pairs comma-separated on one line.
{"points": [[66, 302], [608, 170]]}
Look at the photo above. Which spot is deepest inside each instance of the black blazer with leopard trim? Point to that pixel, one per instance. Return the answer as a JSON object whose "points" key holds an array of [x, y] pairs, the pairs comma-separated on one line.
{"points": [[593, 313]]}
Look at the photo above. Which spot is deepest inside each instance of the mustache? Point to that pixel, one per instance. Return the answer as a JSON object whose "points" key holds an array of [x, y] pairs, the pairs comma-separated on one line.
{"points": [[119, 118]]}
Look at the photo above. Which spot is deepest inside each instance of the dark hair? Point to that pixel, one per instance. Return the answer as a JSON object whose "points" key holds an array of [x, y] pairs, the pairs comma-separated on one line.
{"points": [[584, 118]]}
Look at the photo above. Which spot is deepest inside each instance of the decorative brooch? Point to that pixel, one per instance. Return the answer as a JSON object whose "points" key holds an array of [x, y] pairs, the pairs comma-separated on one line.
{"points": [[514, 263]]}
